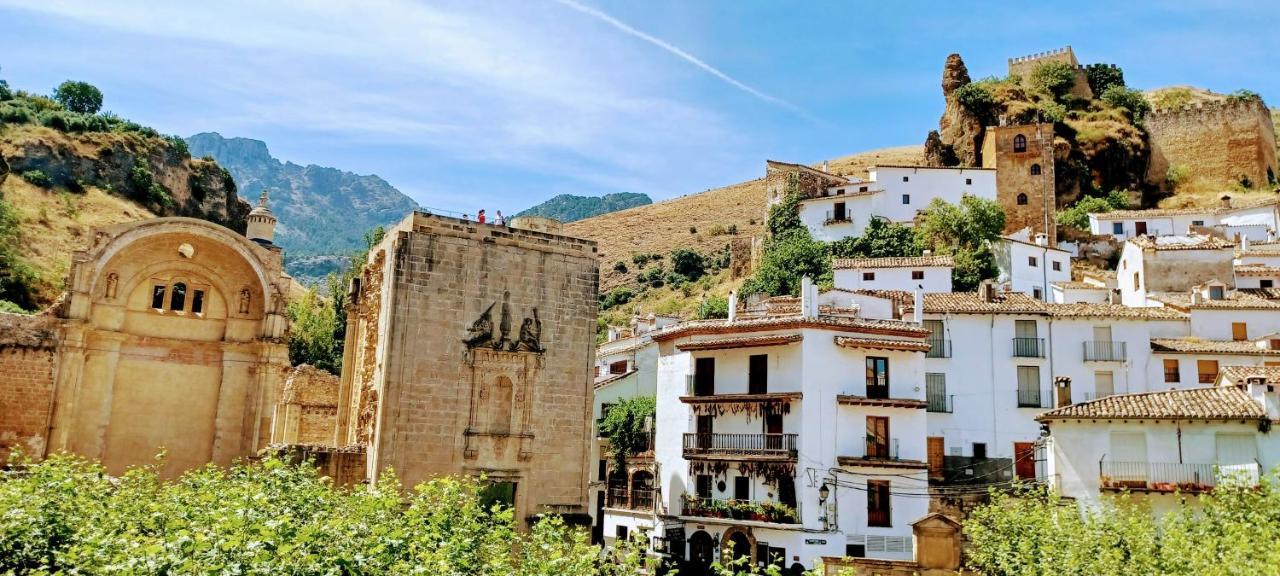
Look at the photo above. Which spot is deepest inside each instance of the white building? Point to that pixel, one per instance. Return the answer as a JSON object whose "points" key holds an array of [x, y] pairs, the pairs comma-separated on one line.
{"points": [[1254, 219], [1156, 443], [1151, 264], [790, 435], [893, 193], [1071, 292], [927, 273], [1031, 267]]}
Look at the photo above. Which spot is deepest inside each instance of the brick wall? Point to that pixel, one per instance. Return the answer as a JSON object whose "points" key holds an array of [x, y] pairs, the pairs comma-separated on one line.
{"points": [[26, 393], [1016, 178], [1220, 141]]}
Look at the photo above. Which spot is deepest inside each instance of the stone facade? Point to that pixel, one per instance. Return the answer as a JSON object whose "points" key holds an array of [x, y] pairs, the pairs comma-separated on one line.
{"points": [[306, 411], [469, 351], [169, 338], [1222, 142], [1024, 66], [1023, 158], [810, 182]]}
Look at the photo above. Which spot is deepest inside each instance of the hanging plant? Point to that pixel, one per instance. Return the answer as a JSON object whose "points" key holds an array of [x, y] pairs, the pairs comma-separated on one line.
{"points": [[770, 471], [717, 468], [760, 408], [623, 426]]}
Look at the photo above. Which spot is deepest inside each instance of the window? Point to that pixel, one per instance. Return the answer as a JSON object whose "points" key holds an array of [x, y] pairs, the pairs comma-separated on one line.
{"points": [[1031, 261], [979, 450], [906, 198], [1239, 331], [1117, 227], [1035, 169], [703, 485], [878, 438], [742, 488], [935, 386], [157, 297], [197, 302], [619, 367], [1104, 384], [863, 188], [877, 377], [968, 181], [1171, 370], [621, 532], [838, 213], [600, 470], [704, 376], [1019, 143], [1207, 370], [1037, 293], [1022, 199], [1273, 344], [178, 297], [1216, 293], [1057, 265], [868, 276], [758, 374], [1140, 228], [1197, 222], [878, 512], [1137, 281], [1265, 283], [1029, 387], [493, 493], [855, 550], [917, 274], [904, 179]]}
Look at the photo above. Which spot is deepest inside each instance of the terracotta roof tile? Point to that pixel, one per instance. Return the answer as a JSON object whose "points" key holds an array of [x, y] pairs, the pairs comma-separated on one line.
{"points": [[1209, 403], [1236, 205], [740, 342], [760, 324], [1090, 310], [899, 262], [1240, 374], [1266, 293], [1257, 270], [1078, 286], [1202, 346], [1188, 242], [882, 344], [971, 303], [1232, 300]]}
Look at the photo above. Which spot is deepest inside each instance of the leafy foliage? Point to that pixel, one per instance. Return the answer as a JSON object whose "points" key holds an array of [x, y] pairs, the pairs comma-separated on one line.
{"points": [[17, 278], [964, 231], [616, 297], [624, 426], [37, 178], [1102, 77], [785, 261], [145, 188], [688, 263], [1057, 78], [313, 323], [1077, 215], [880, 239], [784, 216], [714, 307], [1177, 175], [79, 97], [978, 98], [1134, 101], [1232, 531], [1243, 95]]}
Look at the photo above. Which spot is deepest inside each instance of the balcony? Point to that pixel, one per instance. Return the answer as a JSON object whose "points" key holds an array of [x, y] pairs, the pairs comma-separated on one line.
{"points": [[837, 218], [638, 499], [1034, 397], [938, 348], [740, 446], [766, 511], [881, 453], [696, 393], [1028, 347], [940, 402], [1172, 477], [1105, 351]]}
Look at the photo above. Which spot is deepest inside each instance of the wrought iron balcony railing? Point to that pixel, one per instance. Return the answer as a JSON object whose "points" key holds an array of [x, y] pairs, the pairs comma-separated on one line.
{"points": [[773, 445], [1105, 351], [1173, 476], [1028, 347], [1034, 397], [938, 348]]}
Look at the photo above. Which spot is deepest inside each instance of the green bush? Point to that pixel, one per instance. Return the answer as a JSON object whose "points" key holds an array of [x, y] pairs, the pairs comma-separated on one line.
{"points": [[1243, 95], [1102, 77], [145, 187], [1134, 101], [80, 97], [616, 297], [1077, 216], [786, 260], [178, 146], [18, 279], [1056, 78], [313, 322], [620, 267], [624, 426], [38, 178], [979, 99], [714, 307], [688, 263], [880, 239], [1177, 175]]}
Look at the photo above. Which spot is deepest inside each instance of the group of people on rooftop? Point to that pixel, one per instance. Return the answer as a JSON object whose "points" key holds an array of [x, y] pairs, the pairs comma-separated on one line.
{"points": [[481, 218]]}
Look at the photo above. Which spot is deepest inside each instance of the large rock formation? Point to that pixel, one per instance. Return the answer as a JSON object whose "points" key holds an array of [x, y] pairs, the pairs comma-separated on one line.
{"points": [[960, 131]]}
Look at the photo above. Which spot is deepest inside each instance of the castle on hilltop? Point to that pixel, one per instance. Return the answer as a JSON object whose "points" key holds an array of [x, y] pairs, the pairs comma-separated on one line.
{"points": [[1228, 141], [1024, 66]]}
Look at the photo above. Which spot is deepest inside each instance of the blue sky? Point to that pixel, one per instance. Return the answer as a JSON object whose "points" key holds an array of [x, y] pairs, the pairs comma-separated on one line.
{"points": [[501, 105]]}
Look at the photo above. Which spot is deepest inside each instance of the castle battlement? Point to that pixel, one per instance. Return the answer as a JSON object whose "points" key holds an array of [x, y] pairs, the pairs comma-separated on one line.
{"points": [[1232, 105], [1044, 55]]}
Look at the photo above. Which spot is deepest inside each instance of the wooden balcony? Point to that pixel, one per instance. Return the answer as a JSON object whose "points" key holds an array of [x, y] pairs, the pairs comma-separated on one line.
{"points": [[780, 447], [849, 400]]}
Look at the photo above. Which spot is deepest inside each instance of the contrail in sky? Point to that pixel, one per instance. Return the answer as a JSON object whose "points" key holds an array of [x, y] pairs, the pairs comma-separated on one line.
{"points": [[687, 57]]}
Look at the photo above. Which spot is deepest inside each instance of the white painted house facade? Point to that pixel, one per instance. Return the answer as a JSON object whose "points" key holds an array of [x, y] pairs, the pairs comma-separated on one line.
{"points": [[927, 273], [1254, 218], [1031, 267]]}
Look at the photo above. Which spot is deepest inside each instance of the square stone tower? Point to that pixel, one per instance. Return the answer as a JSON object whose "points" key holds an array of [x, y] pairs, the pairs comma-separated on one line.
{"points": [[1022, 155], [469, 350]]}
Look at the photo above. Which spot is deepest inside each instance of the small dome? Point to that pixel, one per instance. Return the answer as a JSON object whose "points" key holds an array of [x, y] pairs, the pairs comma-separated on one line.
{"points": [[262, 209]]}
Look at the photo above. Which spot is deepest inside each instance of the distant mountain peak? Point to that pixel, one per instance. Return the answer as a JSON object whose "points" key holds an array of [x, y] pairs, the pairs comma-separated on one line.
{"points": [[569, 208]]}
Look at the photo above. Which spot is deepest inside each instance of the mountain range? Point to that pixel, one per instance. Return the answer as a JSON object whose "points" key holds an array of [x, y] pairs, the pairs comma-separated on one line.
{"points": [[570, 208]]}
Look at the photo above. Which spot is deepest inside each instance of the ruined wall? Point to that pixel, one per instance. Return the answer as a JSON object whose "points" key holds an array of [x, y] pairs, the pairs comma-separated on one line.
{"points": [[743, 254], [1024, 66], [1222, 142], [810, 183], [26, 382], [483, 355], [1028, 197], [307, 408]]}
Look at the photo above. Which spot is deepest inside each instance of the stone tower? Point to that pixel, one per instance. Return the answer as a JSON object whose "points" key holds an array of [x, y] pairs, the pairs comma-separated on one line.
{"points": [[469, 351], [262, 223], [1022, 155]]}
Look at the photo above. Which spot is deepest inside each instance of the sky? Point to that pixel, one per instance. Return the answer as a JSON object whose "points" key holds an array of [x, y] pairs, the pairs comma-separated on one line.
{"points": [[503, 104]]}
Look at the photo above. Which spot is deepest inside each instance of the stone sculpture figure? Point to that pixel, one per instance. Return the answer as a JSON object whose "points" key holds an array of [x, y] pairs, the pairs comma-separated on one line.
{"points": [[112, 280], [244, 300], [530, 335], [481, 331], [504, 324]]}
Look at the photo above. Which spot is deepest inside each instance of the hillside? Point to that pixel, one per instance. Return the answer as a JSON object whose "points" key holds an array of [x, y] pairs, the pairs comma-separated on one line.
{"points": [[570, 208], [704, 222], [323, 212]]}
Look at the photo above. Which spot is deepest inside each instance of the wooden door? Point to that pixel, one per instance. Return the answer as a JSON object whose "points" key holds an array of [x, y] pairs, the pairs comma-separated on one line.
{"points": [[704, 377], [1024, 460], [1140, 228], [937, 450]]}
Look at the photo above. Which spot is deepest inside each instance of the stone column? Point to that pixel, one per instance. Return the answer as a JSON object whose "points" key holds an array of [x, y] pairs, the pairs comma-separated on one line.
{"points": [[97, 392], [344, 432], [239, 372], [67, 381]]}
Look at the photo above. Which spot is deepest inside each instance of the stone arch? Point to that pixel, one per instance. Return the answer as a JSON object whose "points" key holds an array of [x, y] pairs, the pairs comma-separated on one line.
{"points": [[701, 550], [1035, 169], [1019, 143], [733, 542], [1022, 198]]}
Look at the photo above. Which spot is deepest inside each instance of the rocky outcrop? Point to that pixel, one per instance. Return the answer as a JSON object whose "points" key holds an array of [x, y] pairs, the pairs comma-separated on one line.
{"points": [[959, 130], [148, 170]]}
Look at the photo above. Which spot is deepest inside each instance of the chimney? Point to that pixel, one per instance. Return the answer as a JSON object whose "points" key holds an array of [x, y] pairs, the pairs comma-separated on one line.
{"points": [[1042, 239], [919, 305], [1195, 296], [1225, 200], [808, 303], [1244, 243], [825, 167], [986, 291], [733, 306], [1063, 384]]}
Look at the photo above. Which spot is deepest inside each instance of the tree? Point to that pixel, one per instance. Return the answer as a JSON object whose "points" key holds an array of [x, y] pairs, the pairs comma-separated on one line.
{"points": [[964, 231], [624, 426], [1133, 101], [785, 261], [1101, 77], [880, 239], [79, 97], [785, 215], [1056, 78], [688, 263], [714, 307], [1077, 216], [312, 326]]}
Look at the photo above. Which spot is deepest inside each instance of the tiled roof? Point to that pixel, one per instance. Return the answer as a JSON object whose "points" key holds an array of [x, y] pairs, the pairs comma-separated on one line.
{"points": [[740, 342], [1189, 242], [1032, 244], [899, 262], [1078, 286], [1257, 270], [1232, 300], [1236, 205], [971, 303], [1090, 310], [1240, 374], [1267, 293], [956, 168], [1209, 403], [792, 321], [882, 344], [610, 379], [1202, 346]]}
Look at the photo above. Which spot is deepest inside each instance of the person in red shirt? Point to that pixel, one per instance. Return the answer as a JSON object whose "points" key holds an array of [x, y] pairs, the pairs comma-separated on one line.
{"points": [[480, 217]]}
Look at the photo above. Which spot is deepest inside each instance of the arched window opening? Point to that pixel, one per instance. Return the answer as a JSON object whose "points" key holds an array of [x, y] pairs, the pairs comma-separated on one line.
{"points": [[197, 302], [501, 412], [1022, 199], [157, 297], [178, 297], [1019, 143], [1035, 169]]}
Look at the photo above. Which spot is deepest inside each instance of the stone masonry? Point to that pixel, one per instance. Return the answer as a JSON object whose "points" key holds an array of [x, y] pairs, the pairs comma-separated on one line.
{"points": [[1025, 175], [1222, 142], [27, 345], [1024, 66], [469, 351]]}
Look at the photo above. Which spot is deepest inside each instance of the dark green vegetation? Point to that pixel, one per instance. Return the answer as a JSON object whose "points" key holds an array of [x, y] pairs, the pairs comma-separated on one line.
{"points": [[17, 279], [1232, 531], [323, 212], [568, 208], [318, 321], [1077, 216], [687, 267], [79, 97], [963, 231], [624, 426]]}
